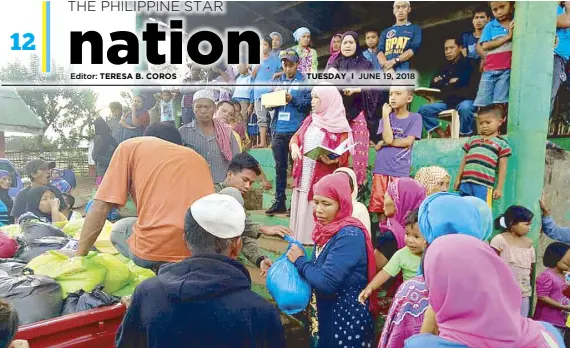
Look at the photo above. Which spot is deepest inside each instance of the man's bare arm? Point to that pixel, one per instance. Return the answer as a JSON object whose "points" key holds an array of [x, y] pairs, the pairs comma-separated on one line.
{"points": [[94, 222]]}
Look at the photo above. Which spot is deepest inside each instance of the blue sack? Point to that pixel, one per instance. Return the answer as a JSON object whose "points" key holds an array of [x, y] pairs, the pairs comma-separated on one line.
{"points": [[112, 216], [291, 292]]}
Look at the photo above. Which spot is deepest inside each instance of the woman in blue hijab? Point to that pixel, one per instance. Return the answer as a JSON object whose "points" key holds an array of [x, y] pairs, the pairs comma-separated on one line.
{"points": [[440, 214]]}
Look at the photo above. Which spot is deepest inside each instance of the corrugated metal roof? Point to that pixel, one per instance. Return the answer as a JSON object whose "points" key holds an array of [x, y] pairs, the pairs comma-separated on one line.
{"points": [[15, 115]]}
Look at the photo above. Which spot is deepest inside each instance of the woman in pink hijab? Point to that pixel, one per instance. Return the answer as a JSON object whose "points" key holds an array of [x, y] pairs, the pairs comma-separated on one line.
{"points": [[334, 48], [476, 300], [327, 126]]}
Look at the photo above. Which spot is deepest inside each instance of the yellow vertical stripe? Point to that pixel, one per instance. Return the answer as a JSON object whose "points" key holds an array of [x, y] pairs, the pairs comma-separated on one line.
{"points": [[44, 36], [490, 197]]}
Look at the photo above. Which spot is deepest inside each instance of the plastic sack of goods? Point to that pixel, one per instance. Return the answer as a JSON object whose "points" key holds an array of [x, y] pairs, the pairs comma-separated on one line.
{"points": [[86, 273], [83, 301], [289, 290], [35, 297]]}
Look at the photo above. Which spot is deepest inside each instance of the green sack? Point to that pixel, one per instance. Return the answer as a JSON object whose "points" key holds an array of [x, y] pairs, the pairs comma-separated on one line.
{"points": [[73, 228], [118, 273], [136, 270], [130, 288], [47, 263], [73, 274]]}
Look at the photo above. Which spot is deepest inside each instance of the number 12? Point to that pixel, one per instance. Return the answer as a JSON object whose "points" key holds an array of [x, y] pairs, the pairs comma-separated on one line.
{"points": [[28, 45]]}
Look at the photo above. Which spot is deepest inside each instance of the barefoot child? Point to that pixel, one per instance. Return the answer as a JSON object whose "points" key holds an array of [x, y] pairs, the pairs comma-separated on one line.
{"points": [[399, 129], [516, 249], [552, 305], [485, 155], [406, 260]]}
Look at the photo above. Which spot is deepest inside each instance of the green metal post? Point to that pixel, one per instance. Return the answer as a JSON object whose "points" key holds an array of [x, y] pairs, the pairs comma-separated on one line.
{"points": [[529, 104], [143, 64]]}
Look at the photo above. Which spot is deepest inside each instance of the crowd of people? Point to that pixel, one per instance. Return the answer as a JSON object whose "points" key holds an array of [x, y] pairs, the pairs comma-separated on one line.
{"points": [[406, 244]]}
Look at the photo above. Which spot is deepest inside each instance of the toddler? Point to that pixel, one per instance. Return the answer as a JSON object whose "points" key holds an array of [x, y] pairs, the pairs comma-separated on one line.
{"points": [[399, 129], [486, 154], [166, 107], [406, 260], [58, 182], [496, 41], [516, 249], [552, 306]]}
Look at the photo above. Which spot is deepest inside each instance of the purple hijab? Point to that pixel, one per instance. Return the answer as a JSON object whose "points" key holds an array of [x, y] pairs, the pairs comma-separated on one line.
{"points": [[407, 194], [333, 53], [368, 99]]}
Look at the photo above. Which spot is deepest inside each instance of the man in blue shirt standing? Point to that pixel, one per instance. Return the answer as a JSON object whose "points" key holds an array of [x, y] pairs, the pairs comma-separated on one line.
{"points": [[286, 121], [561, 51], [471, 48], [262, 75], [400, 42]]}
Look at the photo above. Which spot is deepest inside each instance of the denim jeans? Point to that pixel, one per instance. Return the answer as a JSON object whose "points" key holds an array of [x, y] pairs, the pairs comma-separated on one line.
{"points": [[121, 231], [465, 109], [280, 147], [493, 88], [558, 78]]}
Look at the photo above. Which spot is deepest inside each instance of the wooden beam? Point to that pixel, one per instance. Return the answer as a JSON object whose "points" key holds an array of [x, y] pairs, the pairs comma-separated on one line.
{"points": [[461, 14]]}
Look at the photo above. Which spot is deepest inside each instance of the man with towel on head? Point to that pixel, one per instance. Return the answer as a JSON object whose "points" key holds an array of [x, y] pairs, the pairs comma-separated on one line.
{"points": [[211, 138], [205, 300]]}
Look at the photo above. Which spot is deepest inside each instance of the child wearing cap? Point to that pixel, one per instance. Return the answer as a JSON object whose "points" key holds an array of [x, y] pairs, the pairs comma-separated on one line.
{"points": [[287, 120], [400, 42]]}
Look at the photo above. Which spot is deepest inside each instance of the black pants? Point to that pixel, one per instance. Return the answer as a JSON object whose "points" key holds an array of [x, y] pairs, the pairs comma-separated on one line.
{"points": [[280, 147]]}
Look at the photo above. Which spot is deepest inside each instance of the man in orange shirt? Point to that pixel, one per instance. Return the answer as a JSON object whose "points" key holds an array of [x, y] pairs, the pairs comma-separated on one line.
{"points": [[163, 178]]}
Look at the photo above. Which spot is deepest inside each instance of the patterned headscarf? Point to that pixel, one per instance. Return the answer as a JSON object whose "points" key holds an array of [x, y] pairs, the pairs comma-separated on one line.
{"points": [[430, 177]]}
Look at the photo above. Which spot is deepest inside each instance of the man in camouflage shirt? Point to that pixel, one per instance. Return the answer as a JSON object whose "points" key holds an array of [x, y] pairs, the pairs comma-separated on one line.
{"points": [[242, 173]]}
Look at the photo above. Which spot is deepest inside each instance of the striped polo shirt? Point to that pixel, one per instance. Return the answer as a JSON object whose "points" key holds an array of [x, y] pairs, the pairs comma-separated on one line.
{"points": [[500, 57], [482, 159]]}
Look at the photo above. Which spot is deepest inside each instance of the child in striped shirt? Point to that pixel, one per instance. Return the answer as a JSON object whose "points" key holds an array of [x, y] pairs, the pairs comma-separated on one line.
{"points": [[486, 154]]}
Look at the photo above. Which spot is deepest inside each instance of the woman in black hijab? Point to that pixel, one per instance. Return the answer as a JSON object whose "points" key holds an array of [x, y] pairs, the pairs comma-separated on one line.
{"points": [[42, 203], [361, 104], [103, 148]]}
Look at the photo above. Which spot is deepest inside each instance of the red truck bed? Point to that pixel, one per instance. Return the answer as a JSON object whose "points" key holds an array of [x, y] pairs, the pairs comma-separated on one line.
{"points": [[91, 329]]}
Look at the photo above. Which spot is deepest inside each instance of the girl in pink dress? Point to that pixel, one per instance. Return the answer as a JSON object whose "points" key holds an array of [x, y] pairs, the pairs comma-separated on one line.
{"points": [[516, 249], [552, 306]]}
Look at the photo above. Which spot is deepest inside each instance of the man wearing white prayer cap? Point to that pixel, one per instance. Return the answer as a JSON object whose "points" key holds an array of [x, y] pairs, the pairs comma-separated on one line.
{"points": [[205, 300], [211, 138], [400, 42]]}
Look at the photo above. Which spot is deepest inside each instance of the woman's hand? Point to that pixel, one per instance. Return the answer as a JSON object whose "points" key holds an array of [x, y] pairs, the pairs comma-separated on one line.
{"points": [[351, 91], [54, 204], [295, 152], [543, 208], [294, 253], [364, 295], [327, 160]]}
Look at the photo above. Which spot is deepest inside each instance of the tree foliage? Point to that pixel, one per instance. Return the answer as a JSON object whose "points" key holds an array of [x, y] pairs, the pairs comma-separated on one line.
{"points": [[68, 111]]}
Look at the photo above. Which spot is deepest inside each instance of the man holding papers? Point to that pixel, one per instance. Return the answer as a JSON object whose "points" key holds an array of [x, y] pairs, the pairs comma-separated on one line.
{"points": [[287, 120]]}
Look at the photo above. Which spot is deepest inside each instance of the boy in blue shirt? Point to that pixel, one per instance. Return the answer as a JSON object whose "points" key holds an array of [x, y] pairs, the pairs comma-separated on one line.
{"points": [[496, 41], [400, 42], [372, 52], [286, 122]]}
